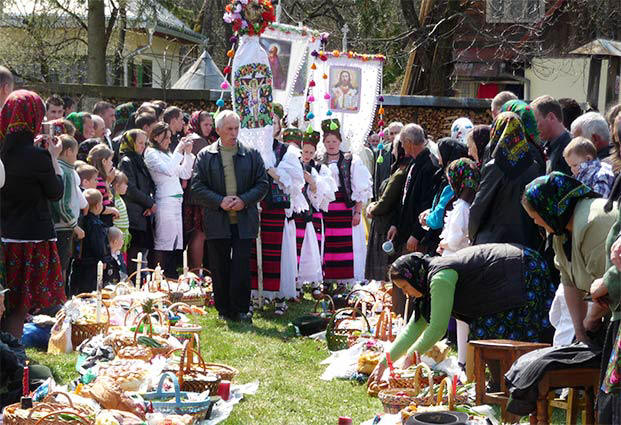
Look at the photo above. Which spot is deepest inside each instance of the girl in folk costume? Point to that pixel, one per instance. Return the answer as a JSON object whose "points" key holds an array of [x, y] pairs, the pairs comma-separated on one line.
{"points": [[277, 234], [344, 245], [319, 191]]}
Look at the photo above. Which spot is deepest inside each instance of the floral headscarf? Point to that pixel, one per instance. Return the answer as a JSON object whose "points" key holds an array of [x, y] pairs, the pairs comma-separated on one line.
{"points": [[195, 123], [77, 119], [508, 145], [122, 114], [23, 111], [128, 141], [554, 198], [413, 268], [527, 116], [460, 129], [463, 173]]}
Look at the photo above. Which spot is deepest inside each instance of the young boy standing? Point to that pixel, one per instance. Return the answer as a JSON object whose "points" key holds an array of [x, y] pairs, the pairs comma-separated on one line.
{"points": [[95, 246], [581, 156], [66, 211]]}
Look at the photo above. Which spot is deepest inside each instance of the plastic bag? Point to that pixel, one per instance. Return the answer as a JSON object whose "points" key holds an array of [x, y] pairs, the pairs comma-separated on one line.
{"points": [[36, 336], [60, 340]]}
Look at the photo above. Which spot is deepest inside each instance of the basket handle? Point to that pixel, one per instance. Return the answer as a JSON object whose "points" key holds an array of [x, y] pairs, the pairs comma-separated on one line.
{"points": [[143, 319], [87, 295], [346, 309], [186, 354], [132, 276], [137, 307], [52, 394], [444, 386], [172, 307], [359, 290], [121, 285], [79, 417], [418, 376], [160, 394], [331, 303]]}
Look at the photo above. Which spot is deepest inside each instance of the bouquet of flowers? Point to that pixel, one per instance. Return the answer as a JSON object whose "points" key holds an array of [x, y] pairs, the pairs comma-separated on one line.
{"points": [[249, 17]]}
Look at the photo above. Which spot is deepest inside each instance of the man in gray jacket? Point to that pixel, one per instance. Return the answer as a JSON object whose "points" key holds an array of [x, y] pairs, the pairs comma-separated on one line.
{"points": [[229, 181]]}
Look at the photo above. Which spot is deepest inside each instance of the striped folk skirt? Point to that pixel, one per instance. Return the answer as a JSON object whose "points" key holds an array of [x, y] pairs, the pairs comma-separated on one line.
{"points": [[338, 245]]}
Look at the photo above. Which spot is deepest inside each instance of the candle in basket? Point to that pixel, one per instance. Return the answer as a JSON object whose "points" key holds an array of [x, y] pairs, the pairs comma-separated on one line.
{"points": [[99, 283], [139, 270], [26, 380], [224, 390], [185, 262]]}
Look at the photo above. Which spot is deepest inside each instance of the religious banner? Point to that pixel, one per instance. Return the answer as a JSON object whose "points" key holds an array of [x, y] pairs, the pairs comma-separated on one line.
{"points": [[288, 49], [346, 86], [251, 75]]}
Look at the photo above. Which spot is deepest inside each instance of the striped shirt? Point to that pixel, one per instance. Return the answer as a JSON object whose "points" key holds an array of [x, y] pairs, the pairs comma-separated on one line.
{"points": [[103, 188], [123, 221]]}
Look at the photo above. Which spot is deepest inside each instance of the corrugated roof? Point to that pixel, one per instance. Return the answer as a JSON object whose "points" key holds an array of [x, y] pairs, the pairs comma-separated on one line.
{"points": [[13, 12]]}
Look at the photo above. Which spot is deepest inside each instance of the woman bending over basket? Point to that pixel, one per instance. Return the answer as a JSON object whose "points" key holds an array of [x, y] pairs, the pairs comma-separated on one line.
{"points": [[503, 291]]}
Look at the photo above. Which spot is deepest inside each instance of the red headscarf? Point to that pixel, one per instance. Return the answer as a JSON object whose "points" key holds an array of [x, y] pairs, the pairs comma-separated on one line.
{"points": [[22, 111], [195, 123]]}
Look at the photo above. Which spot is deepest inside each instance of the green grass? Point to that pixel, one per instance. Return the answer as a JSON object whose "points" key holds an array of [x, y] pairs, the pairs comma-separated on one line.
{"points": [[287, 368]]}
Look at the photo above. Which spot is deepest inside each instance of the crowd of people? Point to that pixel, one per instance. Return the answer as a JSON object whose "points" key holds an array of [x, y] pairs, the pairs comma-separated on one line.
{"points": [[494, 226]]}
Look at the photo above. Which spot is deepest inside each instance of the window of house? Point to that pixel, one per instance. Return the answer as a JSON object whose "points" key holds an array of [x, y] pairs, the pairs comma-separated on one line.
{"points": [[514, 11], [147, 73]]}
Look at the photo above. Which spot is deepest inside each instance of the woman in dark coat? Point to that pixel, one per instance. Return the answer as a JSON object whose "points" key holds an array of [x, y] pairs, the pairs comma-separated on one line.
{"points": [[381, 212], [139, 197], [496, 215], [503, 291], [33, 272]]}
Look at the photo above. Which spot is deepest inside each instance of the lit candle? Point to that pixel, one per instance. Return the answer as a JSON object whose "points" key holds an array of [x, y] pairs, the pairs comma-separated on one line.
{"points": [[139, 270], [99, 283]]}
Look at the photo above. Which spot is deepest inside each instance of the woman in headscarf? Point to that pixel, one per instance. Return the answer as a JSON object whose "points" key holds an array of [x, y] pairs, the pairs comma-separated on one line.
{"points": [[33, 271], [495, 215], [571, 212], [607, 290], [527, 116], [139, 198], [381, 212], [201, 129], [84, 127], [449, 150], [477, 141], [503, 291], [460, 129], [122, 114]]}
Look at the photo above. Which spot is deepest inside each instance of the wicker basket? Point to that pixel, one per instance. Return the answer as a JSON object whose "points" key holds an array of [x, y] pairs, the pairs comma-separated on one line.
{"points": [[227, 373], [337, 337], [202, 301], [417, 381], [80, 332], [188, 373], [357, 302], [157, 351], [397, 398], [383, 328], [374, 388], [176, 402], [15, 415]]}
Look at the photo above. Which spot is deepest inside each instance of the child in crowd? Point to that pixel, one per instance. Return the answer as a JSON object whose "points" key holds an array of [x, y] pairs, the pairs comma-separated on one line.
{"points": [[88, 175], [95, 247], [67, 210], [119, 185], [100, 157], [581, 156], [116, 271], [463, 176]]}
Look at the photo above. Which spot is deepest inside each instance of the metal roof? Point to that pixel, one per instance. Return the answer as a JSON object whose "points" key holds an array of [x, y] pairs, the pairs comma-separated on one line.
{"points": [[599, 47], [13, 13]]}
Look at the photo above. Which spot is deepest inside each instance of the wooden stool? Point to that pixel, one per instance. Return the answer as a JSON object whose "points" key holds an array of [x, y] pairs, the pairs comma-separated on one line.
{"points": [[588, 379], [572, 406], [505, 352]]}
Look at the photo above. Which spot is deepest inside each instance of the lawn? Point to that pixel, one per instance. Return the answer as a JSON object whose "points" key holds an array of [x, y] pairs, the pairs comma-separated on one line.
{"points": [[287, 368]]}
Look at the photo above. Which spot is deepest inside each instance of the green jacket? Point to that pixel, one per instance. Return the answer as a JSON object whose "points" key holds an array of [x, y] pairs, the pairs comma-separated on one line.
{"points": [[612, 276], [591, 225]]}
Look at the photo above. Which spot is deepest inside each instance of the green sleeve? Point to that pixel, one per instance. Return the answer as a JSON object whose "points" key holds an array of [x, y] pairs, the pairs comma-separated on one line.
{"points": [[612, 276], [418, 336]]}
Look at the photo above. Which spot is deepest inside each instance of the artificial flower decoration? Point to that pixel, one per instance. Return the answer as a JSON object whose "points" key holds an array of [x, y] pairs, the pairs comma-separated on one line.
{"points": [[249, 17]]}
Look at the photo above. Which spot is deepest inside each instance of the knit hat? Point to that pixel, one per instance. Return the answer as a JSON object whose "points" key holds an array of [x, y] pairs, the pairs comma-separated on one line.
{"points": [[292, 135]]}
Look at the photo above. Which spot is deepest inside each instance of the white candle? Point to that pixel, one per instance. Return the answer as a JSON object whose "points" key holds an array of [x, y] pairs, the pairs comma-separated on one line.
{"points": [[138, 270], [99, 284], [185, 261]]}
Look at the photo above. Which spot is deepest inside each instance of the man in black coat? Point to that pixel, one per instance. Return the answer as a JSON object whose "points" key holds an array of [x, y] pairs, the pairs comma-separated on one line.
{"points": [[549, 116], [229, 180], [418, 191]]}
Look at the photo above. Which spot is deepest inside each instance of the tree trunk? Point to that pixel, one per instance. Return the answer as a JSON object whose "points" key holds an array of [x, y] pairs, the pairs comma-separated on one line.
{"points": [[96, 42], [118, 54]]}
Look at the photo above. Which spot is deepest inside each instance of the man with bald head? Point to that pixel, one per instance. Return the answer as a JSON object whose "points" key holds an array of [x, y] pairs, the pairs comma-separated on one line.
{"points": [[6, 84]]}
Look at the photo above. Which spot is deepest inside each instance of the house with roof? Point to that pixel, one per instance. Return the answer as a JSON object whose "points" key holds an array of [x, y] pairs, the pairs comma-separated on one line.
{"points": [[148, 46]]}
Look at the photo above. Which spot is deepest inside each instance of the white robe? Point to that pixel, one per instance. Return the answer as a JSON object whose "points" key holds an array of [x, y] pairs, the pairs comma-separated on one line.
{"points": [[166, 170]]}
